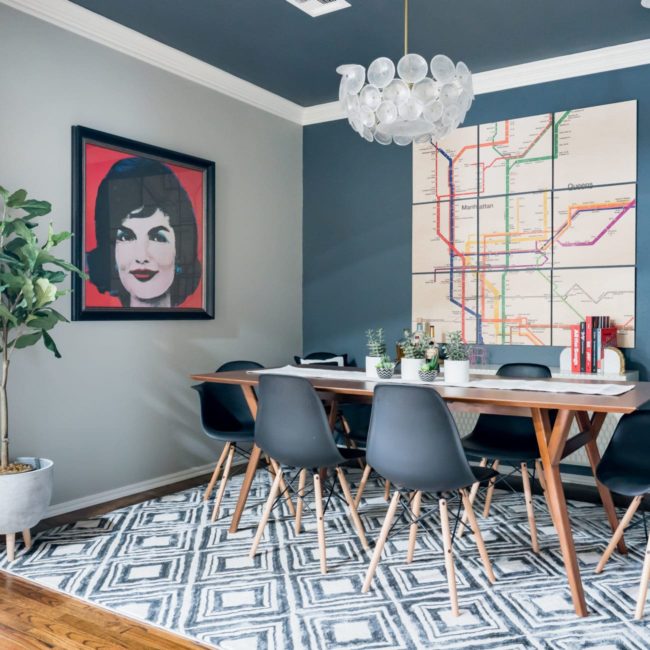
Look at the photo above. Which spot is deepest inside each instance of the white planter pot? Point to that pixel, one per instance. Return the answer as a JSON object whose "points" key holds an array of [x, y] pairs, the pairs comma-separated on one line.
{"points": [[25, 497], [410, 367], [371, 370], [456, 372]]}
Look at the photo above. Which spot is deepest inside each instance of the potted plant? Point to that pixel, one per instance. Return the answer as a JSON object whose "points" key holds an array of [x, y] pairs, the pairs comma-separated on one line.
{"points": [[376, 350], [413, 347], [428, 371], [457, 361], [385, 368], [29, 275]]}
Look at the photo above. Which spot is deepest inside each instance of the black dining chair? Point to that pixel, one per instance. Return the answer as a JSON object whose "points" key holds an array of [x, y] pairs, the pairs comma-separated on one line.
{"points": [[322, 358], [511, 440], [292, 427], [625, 469], [225, 417], [414, 443]]}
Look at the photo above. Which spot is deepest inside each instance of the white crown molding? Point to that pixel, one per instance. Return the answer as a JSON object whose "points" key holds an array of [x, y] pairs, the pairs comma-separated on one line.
{"points": [[127, 490], [604, 59], [88, 24]]}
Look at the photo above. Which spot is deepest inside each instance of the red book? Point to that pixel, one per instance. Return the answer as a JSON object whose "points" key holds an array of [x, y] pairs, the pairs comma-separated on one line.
{"points": [[574, 331], [588, 342]]}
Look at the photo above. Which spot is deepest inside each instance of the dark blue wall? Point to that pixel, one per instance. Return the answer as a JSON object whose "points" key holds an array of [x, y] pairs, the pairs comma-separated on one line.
{"points": [[357, 220]]}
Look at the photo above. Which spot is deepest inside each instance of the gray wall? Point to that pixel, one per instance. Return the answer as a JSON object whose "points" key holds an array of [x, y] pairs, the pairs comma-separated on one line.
{"points": [[357, 220], [117, 408]]}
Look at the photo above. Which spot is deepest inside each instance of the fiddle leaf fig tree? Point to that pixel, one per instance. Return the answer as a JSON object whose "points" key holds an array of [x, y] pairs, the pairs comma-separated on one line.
{"points": [[29, 275]]}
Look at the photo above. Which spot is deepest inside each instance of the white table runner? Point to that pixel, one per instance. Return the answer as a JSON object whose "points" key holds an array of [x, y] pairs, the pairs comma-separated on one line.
{"points": [[500, 384]]}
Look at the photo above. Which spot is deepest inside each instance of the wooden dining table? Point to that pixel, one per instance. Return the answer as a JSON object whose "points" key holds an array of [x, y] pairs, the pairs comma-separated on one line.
{"points": [[589, 411]]}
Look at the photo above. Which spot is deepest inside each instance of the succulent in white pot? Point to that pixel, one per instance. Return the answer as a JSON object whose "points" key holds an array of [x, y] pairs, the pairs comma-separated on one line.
{"points": [[376, 346], [457, 361], [413, 347], [385, 368], [29, 279]]}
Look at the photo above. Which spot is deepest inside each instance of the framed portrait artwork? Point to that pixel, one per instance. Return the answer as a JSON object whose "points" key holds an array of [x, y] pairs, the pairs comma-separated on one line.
{"points": [[143, 223]]}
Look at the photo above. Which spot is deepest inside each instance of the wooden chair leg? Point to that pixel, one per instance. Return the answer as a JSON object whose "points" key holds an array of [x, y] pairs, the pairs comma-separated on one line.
{"points": [[472, 497], [416, 503], [215, 474], [540, 475], [27, 538], [478, 538], [619, 533], [383, 536], [301, 494], [222, 483], [449, 558], [354, 515], [283, 486], [275, 488], [362, 485], [528, 496], [387, 490], [643, 587], [320, 522], [490, 491], [11, 546]]}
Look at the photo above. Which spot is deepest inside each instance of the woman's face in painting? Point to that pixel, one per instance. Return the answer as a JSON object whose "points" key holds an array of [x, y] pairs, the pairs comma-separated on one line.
{"points": [[145, 254]]}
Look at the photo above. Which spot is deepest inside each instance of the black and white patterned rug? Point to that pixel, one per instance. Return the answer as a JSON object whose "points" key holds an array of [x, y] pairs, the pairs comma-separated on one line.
{"points": [[161, 561]]}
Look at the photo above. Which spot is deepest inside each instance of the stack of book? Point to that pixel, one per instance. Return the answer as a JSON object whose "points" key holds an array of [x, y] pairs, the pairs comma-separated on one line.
{"points": [[588, 342]]}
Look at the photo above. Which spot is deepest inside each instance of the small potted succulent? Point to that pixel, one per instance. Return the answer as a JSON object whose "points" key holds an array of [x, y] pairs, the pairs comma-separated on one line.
{"points": [[376, 345], [429, 369], [413, 347], [457, 361], [385, 368]]}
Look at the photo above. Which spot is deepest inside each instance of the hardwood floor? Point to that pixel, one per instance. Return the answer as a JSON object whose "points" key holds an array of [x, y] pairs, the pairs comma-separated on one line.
{"points": [[32, 616]]}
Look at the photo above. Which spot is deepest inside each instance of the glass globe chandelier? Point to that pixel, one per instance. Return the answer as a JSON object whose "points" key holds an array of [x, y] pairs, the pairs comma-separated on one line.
{"points": [[411, 107]]}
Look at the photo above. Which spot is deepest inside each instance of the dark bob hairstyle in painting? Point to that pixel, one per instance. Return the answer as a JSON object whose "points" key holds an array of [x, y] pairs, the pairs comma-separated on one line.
{"points": [[136, 188]]}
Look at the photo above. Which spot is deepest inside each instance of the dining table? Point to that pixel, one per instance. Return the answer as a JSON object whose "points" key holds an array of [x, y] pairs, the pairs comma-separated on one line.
{"points": [[552, 414]]}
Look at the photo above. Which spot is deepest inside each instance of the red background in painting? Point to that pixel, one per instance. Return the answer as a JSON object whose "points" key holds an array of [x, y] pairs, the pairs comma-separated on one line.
{"points": [[98, 160]]}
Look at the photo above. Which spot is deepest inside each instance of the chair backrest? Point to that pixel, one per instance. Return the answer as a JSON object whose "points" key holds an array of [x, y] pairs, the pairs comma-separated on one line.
{"points": [[628, 451], [413, 440], [491, 427], [325, 357], [291, 424], [223, 406]]}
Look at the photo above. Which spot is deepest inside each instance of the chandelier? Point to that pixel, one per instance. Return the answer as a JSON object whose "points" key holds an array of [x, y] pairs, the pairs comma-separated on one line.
{"points": [[411, 107]]}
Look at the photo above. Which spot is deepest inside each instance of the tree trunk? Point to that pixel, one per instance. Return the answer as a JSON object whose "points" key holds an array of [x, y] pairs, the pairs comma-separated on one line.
{"points": [[4, 414]]}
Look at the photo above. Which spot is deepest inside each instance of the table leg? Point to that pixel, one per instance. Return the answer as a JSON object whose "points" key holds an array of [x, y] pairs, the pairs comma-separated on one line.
{"points": [[551, 444], [251, 468], [594, 425]]}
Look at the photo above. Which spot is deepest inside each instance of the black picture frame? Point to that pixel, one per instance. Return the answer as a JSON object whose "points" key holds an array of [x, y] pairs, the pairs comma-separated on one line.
{"points": [[117, 172]]}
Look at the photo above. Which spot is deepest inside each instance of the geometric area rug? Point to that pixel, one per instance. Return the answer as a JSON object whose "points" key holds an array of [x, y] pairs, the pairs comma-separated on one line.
{"points": [[163, 562]]}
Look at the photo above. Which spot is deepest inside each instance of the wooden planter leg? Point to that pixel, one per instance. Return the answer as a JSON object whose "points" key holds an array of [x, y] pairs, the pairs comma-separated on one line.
{"points": [[362, 485], [301, 494], [320, 522], [386, 490], [215, 474], [619, 533], [222, 484], [354, 515], [27, 538], [528, 496], [478, 538], [275, 488], [490, 491], [472, 497], [643, 587], [449, 558], [413, 530], [11, 546], [383, 536]]}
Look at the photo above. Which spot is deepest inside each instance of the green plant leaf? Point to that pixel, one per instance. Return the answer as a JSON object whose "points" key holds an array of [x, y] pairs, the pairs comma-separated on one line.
{"points": [[46, 321], [4, 193], [5, 314], [17, 199], [36, 208], [51, 345], [28, 292], [26, 340]]}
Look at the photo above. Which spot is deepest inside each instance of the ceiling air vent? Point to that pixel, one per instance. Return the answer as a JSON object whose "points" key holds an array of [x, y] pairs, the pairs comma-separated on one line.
{"points": [[319, 7]]}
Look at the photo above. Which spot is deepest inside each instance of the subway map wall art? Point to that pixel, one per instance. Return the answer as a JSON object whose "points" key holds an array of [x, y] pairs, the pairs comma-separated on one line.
{"points": [[523, 227]]}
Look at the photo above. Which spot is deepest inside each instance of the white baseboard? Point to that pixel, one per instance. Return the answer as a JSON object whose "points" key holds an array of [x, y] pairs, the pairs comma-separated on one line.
{"points": [[128, 490]]}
